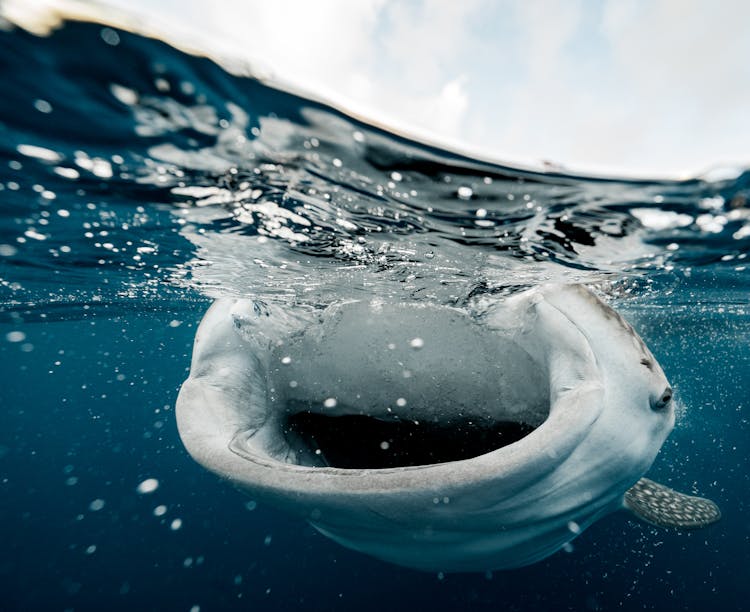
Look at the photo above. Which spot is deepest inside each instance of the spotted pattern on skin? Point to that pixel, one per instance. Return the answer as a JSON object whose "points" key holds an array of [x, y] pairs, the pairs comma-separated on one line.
{"points": [[660, 505]]}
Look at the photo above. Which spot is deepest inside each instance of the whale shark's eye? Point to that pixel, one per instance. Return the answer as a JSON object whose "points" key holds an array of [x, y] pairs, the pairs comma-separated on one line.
{"points": [[665, 398]]}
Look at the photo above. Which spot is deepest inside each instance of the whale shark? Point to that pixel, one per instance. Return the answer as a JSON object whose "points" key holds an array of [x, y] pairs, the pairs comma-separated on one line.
{"points": [[432, 436]]}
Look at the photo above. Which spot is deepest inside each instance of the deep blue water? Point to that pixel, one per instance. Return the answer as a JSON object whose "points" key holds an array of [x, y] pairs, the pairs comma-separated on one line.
{"points": [[138, 182]]}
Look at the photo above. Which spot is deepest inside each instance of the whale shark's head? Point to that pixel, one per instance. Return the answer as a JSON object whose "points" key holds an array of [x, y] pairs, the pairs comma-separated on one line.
{"points": [[638, 396], [614, 341], [422, 434]]}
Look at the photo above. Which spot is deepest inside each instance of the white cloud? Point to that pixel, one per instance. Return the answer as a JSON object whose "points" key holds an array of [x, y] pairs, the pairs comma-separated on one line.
{"points": [[685, 66], [397, 62], [625, 86], [638, 87], [450, 108]]}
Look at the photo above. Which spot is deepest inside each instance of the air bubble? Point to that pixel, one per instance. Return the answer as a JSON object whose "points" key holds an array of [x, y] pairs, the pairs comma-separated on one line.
{"points": [[110, 37], [43, 106], [15, 336], [465, 192], [96, 505], [148, 486], [32, 233], [39, 152]]}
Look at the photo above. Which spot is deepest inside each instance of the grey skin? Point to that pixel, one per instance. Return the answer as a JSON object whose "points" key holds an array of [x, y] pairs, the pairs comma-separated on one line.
{"points": [[555, 358]]}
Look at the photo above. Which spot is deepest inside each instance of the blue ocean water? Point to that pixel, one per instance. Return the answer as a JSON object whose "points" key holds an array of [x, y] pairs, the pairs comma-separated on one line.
{"points": [[137, 183]]}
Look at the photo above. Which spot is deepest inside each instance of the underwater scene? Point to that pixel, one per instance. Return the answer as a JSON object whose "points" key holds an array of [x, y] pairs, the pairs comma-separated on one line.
{"points": [[427, 381]]}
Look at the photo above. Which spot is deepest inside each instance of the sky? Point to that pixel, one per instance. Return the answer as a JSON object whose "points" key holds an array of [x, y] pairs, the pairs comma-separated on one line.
{"points": [[627, 87]]}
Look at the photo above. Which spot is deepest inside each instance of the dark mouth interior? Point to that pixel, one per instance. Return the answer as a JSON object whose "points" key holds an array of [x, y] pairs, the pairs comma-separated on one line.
{"points": [[360, 441]]}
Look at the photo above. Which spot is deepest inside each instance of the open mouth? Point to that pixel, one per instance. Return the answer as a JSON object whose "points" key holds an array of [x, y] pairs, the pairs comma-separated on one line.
{"points": [[396, 387], [356, 441]]}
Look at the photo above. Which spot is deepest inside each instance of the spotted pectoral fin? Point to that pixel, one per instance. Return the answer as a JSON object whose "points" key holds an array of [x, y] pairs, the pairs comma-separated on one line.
{"points": [[660, 505]]}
